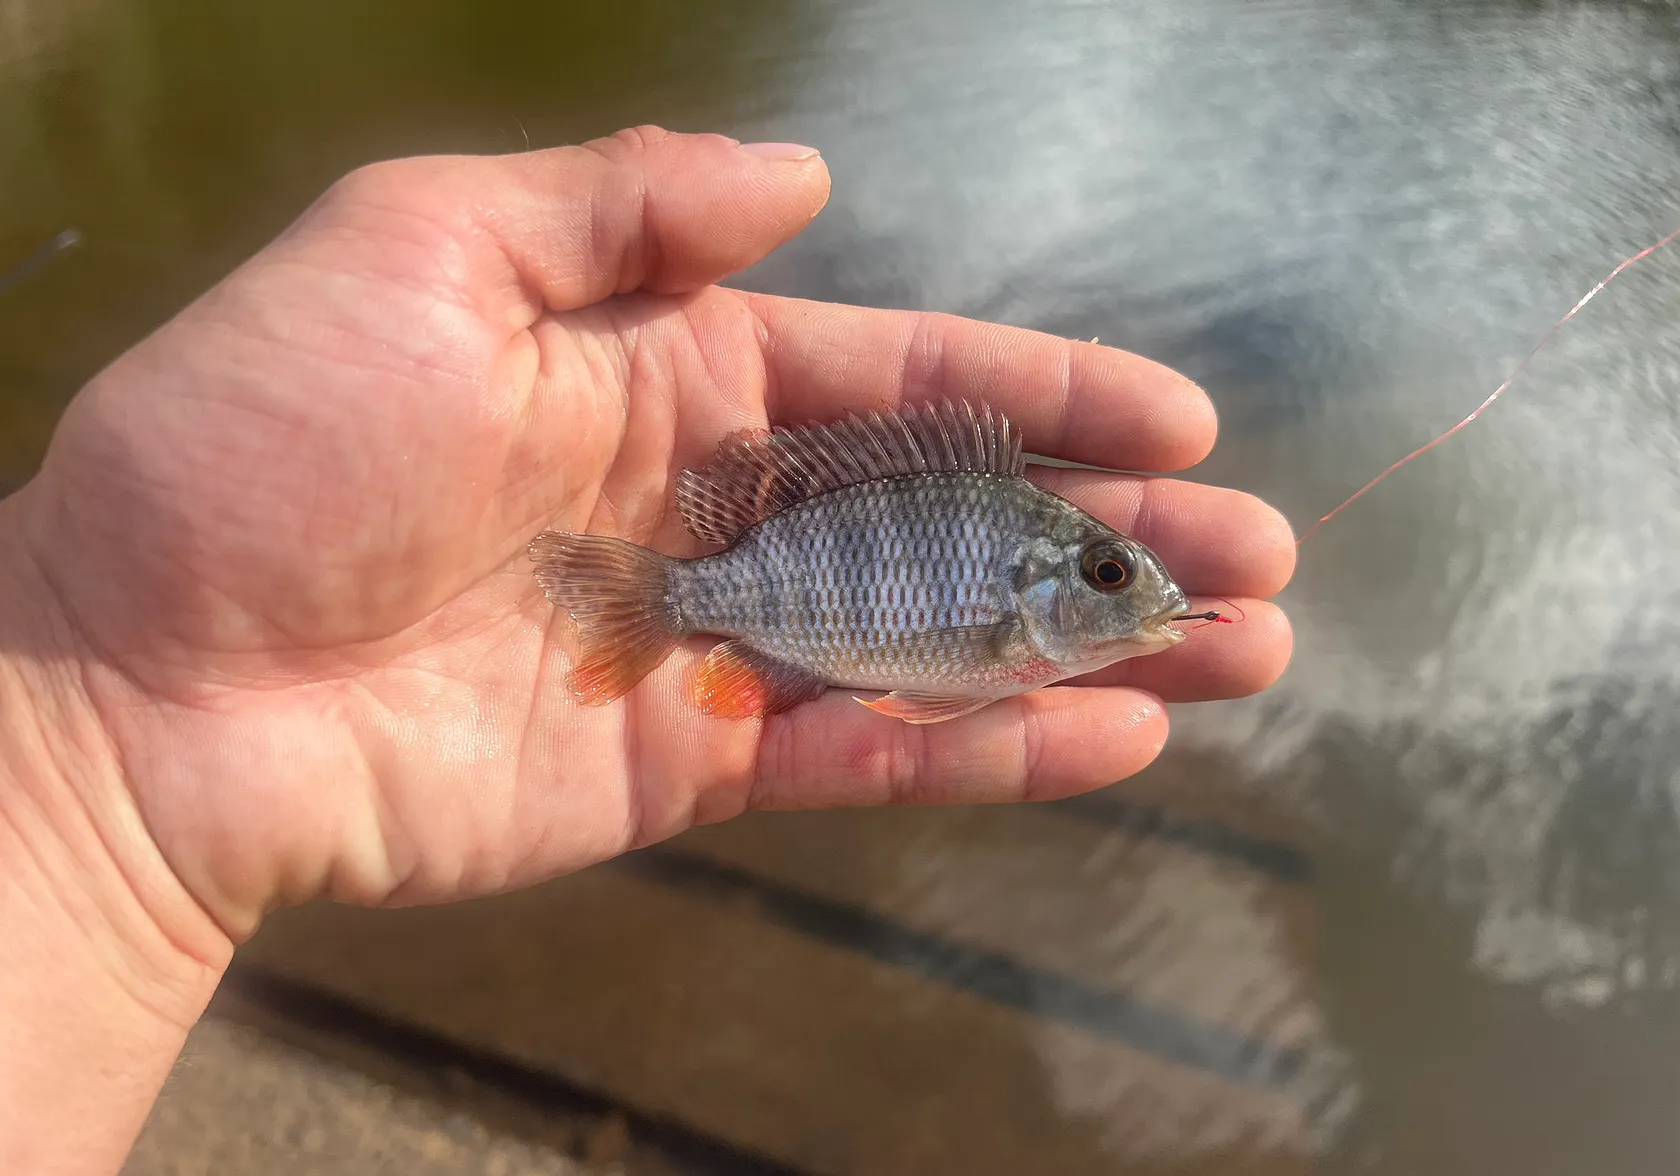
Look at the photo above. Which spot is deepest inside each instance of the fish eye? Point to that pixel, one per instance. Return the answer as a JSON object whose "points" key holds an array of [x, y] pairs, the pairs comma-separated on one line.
{"points": [[1108, 567]]}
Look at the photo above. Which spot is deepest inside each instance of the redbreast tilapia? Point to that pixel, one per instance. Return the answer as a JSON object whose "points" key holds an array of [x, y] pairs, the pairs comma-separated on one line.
{"points": [[903, 552]]}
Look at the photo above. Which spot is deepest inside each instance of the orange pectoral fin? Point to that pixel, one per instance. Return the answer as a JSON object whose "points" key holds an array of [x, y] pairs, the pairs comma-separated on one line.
{"points": [[925, 708], [736, 681]]}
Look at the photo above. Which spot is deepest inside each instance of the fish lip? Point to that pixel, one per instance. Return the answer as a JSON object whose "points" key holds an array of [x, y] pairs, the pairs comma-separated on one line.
{"points": [[1160, 625], [1180, 607]]}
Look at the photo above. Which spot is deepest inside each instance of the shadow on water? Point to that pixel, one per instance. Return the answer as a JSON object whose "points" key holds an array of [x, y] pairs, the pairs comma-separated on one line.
{"points": [[1345, 219], [1511, 1011]]}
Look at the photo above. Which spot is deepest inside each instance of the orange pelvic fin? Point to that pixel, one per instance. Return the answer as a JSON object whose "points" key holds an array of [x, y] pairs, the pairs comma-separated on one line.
{"points": [[738, 682], [925, 708]]}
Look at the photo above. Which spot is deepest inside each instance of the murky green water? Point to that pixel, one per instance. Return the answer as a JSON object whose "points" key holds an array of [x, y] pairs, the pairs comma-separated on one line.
{"points": [[1346, 218]]}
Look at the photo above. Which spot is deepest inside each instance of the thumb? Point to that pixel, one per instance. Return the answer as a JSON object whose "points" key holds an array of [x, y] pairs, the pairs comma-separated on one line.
{"points": [[645, 209], [650, 210]]}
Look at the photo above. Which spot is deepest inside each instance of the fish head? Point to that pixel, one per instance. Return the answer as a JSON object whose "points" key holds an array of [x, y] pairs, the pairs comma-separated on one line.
{"points": [[1089, 596]]}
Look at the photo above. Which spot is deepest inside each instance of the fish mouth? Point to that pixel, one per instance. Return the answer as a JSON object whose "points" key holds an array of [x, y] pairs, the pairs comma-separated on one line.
{"points": [[1167, 635], [1161, 624]]}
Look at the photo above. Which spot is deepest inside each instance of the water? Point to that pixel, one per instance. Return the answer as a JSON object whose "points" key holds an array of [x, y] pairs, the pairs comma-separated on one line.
{"points": [[1347, 219]]}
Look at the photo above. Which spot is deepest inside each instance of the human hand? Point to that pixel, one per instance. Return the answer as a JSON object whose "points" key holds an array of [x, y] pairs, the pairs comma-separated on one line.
{"points": [[284, 536]]}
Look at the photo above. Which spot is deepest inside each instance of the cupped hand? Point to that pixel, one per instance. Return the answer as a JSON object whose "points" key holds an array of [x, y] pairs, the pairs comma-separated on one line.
{"points": [[287, 530]]}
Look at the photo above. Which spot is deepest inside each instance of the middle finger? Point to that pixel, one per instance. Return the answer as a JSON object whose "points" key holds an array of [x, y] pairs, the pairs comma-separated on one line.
{"points": [[1212, 540]]}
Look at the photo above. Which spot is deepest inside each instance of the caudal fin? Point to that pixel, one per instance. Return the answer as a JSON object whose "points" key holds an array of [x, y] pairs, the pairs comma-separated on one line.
{"points": [[619, 595]]}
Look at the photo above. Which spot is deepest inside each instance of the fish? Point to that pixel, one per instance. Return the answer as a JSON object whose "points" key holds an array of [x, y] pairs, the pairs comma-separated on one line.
{"points": [[902, 552]]}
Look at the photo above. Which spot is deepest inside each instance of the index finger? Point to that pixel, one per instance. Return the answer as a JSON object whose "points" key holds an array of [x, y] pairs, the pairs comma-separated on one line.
{"points": [[1075, 401]]}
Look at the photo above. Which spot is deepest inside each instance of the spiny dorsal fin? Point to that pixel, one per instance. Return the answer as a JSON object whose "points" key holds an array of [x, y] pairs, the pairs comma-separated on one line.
{"points": [[758, 473]]}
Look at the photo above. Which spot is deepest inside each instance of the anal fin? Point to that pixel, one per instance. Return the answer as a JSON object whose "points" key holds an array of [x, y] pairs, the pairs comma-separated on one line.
{"points": [[737, 681], [925, 708]]}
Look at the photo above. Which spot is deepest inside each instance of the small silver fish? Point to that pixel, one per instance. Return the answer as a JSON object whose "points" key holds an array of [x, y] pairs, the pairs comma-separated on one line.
{"points": [[903, 552]]}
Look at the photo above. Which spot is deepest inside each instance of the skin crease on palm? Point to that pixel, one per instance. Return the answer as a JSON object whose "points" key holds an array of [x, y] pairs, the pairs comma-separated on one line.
{"points": [[278, 547]]}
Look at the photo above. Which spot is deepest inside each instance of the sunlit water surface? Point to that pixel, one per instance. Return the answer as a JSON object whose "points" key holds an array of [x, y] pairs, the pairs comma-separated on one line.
{"points": [[1347, 219]]}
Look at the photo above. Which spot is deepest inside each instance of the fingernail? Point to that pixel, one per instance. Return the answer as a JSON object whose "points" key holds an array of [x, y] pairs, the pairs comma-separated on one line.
{"points": [[780, 152]]}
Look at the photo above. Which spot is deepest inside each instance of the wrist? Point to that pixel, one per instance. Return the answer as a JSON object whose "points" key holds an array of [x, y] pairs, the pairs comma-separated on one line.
{"points": [[109, 960]]}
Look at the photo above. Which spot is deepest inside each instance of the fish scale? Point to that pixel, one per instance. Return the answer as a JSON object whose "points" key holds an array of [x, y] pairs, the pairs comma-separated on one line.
{"points": [[851, 583]]}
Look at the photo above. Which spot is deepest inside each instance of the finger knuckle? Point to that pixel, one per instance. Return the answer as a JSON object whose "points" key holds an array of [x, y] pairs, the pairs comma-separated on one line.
{"points": [[925, 356], [373, 183], [908, 765], [621, 145], [1030, 754], [779, 764]]}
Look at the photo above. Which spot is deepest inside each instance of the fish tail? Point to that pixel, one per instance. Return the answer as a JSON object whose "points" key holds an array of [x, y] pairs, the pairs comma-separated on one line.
{"points": [[619, 595]]}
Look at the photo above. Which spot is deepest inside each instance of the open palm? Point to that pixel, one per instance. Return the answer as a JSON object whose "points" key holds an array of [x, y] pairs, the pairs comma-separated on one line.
{"points": [[288, 529]]}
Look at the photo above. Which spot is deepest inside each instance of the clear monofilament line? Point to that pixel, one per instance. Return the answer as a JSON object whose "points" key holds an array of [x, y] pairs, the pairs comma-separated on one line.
{"points": [[1497, 392]]}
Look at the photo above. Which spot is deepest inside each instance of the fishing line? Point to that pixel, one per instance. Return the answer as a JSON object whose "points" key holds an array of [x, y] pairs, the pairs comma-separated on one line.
{"points": [[1497, 392], [1214, 616], [68, 239]]}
